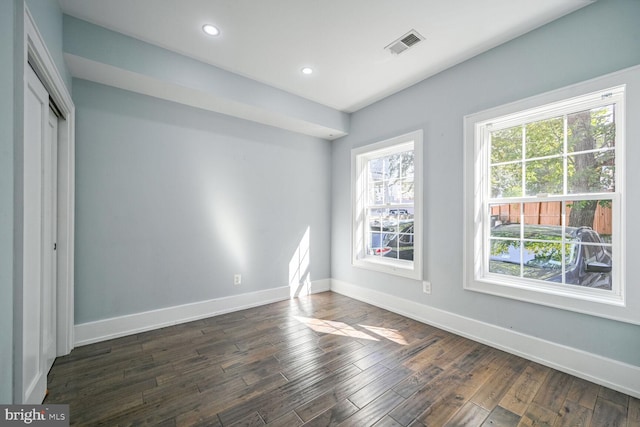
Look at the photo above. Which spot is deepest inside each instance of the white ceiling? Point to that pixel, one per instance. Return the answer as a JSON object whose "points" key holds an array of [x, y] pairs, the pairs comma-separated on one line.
{"points": [[343, 40]]}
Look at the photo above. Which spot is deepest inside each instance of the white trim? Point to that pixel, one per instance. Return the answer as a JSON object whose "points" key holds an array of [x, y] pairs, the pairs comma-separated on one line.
{"points": [[115, 327], [322, 285], [622, 303], [598, 369], [334, 127], [359, 157], [36, 52], [36, 55]]}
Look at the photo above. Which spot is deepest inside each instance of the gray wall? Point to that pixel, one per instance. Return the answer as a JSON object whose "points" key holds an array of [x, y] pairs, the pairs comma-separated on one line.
{"points": [[171, 201], [595, 40], [7, 38]]}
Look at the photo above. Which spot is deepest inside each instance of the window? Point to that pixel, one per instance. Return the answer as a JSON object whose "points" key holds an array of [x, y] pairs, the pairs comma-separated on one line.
{"points": [[387, 206], [544, 221]]}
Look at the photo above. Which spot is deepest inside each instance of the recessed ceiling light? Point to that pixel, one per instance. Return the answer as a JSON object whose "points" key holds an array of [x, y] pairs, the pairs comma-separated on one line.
{"points": [[307, 70], [212, 30]]}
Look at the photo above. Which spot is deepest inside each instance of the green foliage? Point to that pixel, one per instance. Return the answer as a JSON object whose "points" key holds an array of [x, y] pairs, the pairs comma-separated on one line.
{"points": [[506, 180], [578, 148], [546, 255], [506, 145], [545, 138]]}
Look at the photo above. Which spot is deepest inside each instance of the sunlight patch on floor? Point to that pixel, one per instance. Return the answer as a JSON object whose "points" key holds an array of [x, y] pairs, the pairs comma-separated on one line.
{"points": [[334, 328], [390, 334]]}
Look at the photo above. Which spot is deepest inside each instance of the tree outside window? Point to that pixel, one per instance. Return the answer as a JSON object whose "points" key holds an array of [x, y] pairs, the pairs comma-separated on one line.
{"points": [[548, 197]]}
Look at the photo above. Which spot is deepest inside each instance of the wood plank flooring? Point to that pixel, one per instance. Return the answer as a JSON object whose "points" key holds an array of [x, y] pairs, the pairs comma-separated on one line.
{"points": [[321, 360]]}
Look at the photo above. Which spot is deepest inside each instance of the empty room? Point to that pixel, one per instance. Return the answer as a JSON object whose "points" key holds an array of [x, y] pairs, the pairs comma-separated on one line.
{"points": [[320, 212]]}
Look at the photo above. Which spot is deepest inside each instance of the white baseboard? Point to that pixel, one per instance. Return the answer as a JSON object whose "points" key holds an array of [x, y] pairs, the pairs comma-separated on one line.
{"points": [[323, 285], [600, 370], [115, 327]]}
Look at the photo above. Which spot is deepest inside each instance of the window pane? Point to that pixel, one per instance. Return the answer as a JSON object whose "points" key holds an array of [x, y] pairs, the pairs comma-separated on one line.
{"points": [[394, 192], [549, 213], [505, 257], [390, 179], [376, 193], [543, 261], [407, 168], [398, 165], [400, 243], [393, 217], [546, 232], [591, 223], [503, 213], [407, 191], [545, 138], [379, 227], [542, 213], [506, 180], [591, 129], [530, 232], [390, 169], [509, 231], [591, 172], [377, 170], [396, 215], [595, 214], [544, 176], [506, 145], [591, 267]]}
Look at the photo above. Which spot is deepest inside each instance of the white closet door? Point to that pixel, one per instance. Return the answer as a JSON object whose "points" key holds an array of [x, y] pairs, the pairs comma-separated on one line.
{"points": [[49, 219], [39, 284]]}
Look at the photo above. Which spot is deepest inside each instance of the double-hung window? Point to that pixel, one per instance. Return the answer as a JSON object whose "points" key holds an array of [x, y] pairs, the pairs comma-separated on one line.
{"points": [[387, 206], [545, 201]]}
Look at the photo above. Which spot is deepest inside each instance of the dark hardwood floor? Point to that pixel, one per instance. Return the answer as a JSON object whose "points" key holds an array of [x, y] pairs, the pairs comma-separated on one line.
{"points": [[321, 360]]}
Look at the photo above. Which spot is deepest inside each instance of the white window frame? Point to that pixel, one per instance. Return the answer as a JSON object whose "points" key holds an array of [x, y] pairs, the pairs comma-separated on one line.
{"points": [[620, 303], [359, 158]]}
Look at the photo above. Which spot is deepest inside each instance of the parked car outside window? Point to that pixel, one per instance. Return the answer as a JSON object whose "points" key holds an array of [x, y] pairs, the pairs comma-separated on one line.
{"points": [[400, 244], [399, 212], [393, 241], [538, 254]]}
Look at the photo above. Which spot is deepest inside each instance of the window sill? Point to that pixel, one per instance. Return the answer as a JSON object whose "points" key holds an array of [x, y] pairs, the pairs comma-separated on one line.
{"points": [[513, 288], [588, 301], [388, 266]]}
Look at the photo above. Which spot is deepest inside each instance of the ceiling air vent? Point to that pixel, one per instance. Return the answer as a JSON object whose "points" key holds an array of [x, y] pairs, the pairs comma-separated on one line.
{"points": [[405, 42]]}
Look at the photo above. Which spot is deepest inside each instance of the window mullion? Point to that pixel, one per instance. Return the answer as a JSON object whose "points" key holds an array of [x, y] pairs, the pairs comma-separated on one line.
{"points": [[523, 193], [565, 190], [524, 158], [565, 161]]}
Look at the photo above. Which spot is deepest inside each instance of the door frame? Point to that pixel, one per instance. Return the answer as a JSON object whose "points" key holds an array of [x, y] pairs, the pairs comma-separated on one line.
{"points": [[38, 57]]}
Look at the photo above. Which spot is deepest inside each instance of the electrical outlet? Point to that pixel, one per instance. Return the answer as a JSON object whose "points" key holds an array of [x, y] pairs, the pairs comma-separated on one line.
{"points": [[426, 287], [237, 279]]}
